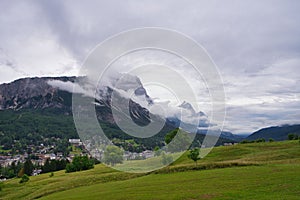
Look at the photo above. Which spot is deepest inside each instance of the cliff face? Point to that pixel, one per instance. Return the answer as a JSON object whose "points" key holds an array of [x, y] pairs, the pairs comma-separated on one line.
{"points": [[34, 93], [40, 93]]}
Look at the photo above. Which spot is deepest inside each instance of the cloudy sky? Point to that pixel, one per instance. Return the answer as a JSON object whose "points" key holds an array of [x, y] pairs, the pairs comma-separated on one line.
{"points": [[255, 44]]}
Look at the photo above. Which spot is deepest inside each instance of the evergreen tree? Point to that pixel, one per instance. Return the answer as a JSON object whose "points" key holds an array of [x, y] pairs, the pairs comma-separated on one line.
{"points": [[28, 167], [46, 168]]}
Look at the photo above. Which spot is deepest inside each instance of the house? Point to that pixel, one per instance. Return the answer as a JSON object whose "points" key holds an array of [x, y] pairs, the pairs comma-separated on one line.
{"points": [[36, 172], [75, 142], [52, 156], [148, 154]]}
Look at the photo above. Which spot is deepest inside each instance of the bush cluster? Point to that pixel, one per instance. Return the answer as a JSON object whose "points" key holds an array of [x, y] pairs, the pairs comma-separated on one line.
{"points": [[293, 136], [24, 179], [256, 141], [80, 163]]}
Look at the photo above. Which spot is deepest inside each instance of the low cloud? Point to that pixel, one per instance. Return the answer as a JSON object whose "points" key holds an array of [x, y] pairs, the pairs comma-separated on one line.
{"points": [[256, 46]]}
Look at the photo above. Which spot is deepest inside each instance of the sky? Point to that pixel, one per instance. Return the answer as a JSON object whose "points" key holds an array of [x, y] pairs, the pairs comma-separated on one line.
{"points": [[254, 44]]}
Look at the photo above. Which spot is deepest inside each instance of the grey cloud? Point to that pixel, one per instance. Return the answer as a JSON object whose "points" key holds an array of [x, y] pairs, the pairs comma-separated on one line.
{"points": [[255, 44]]}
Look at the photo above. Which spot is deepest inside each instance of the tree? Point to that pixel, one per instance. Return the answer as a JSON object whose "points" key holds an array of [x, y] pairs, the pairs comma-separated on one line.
{"points": [[260, 140], [169, 137], [28, 167], [113, 155], [291, 136], [46, 167], [80, 163], [24, 179], [194, 154], [61, 164], [7, 172], [21, 172], [7, 142]]}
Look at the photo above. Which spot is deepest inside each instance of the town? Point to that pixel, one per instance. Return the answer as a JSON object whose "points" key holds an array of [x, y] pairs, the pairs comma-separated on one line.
{"points": [[61, 150]]}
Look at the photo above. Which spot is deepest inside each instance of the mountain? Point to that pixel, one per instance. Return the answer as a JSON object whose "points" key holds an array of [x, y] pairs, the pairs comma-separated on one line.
{"points": [[42, 108], [35, 93], [234, 137], [203, 123], [277, 133]]}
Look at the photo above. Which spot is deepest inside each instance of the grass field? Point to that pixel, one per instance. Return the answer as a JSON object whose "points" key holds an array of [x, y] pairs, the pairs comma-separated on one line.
{"points": [[244, 171]]}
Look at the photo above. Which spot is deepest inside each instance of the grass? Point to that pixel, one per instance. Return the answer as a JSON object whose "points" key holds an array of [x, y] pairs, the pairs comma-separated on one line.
{"points": [[258, 182], [4, 151], [247, 171]]}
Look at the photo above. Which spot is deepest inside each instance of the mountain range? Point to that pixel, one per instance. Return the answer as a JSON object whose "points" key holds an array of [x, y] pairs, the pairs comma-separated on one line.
{"points": [[52, 96], [43, 107]]}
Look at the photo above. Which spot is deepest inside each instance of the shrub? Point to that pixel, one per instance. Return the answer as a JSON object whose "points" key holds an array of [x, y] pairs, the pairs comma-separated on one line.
{"points": [[247, 141], [260, 140], [51, 174], [244, 141], [24, 179], [271, 140]]}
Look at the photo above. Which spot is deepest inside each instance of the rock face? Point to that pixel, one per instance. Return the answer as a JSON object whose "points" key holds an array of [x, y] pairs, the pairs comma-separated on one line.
{"points": [[34, 93], [40, 93]]}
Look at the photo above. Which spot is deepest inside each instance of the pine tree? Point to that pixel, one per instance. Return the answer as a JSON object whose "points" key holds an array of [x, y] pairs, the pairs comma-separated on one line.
{"points": [[28, 167]]}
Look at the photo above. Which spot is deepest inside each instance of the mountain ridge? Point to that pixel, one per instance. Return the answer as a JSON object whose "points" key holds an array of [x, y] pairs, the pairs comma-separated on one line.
{"points": [[277, 133], [36, 94]]}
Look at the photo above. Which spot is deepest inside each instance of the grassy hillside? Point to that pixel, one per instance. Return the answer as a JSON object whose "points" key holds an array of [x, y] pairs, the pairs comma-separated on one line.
{"points": [[244, 171], [265, 182]]}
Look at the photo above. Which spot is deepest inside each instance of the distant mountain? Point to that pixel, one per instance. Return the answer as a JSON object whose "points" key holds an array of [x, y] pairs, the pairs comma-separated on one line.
{"points": [[277, 133], [203, 123], [234, 137]]}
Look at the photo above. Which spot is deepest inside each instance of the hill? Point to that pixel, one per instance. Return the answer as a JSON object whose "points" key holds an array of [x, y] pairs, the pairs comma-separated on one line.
{"points": [[243, 171], [277, 133]]}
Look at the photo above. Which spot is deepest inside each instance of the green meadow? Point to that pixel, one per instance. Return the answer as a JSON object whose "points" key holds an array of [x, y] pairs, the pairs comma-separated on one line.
{"points": [[245, 171]]}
